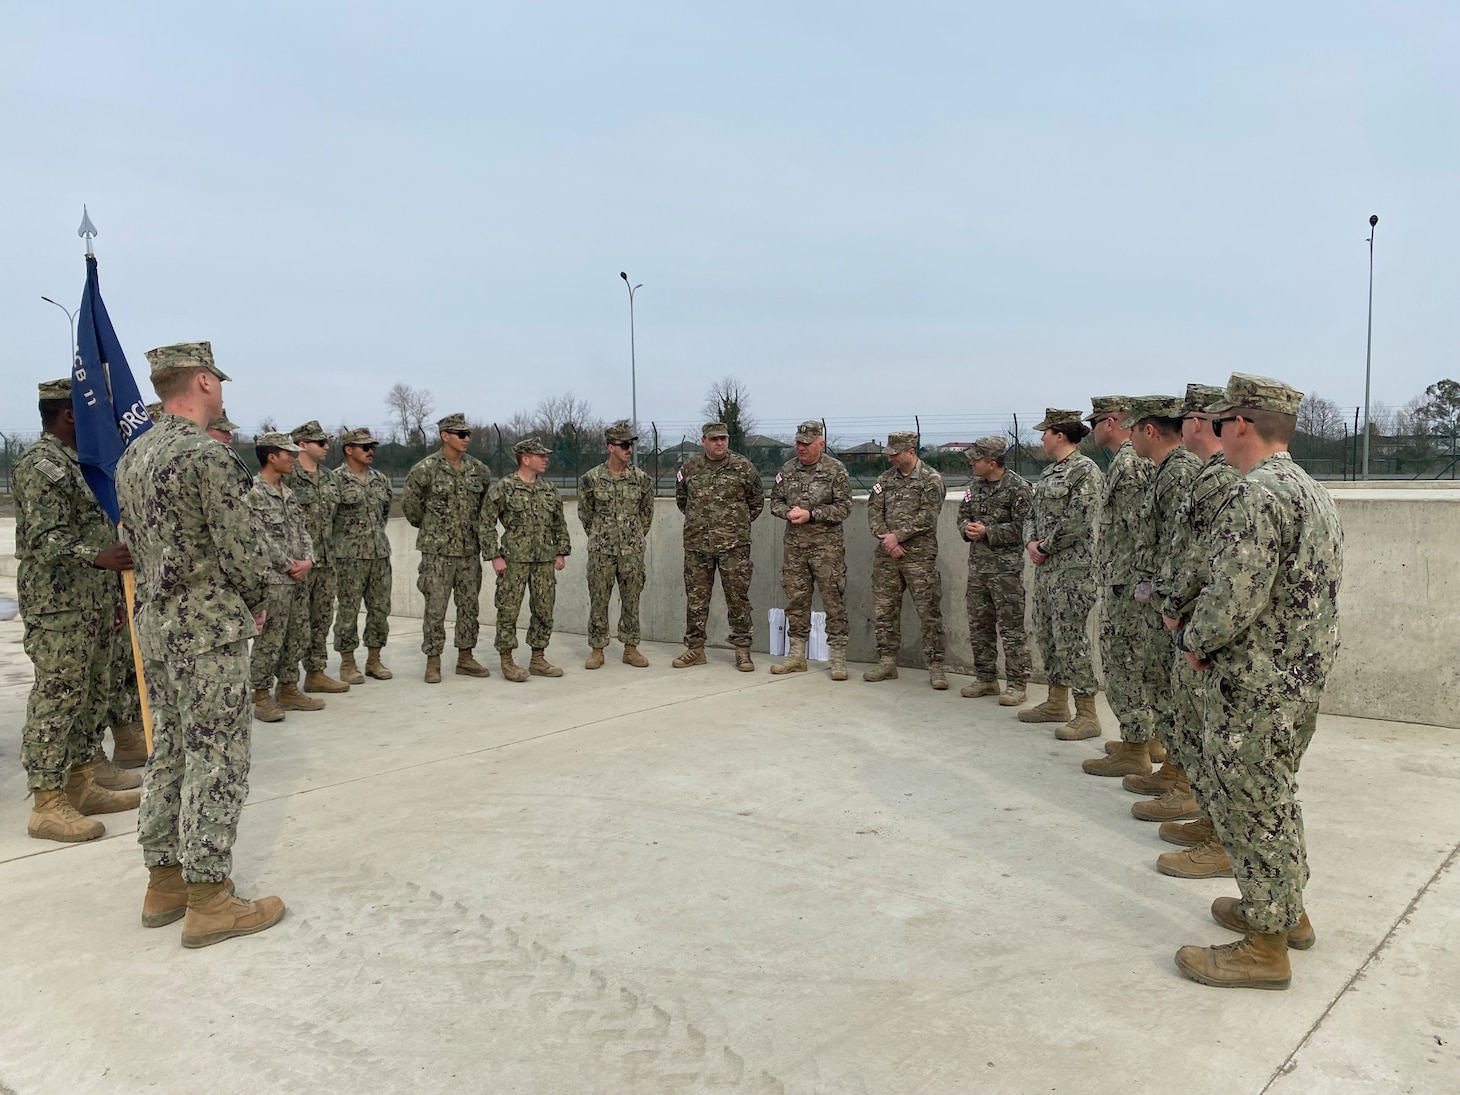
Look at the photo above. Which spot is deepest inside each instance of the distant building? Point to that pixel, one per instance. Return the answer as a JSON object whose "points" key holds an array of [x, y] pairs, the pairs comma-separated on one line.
{"points": [[862, 454]]}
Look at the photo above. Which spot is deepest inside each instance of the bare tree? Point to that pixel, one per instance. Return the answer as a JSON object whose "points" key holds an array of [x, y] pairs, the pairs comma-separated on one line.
{"points": [[1320, 417], [267, 425], [554, 413], [410, 408], [728, 401]]}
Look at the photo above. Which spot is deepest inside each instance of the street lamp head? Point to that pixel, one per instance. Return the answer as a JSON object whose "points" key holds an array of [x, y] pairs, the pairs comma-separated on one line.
{"points": [[1373, 220], [623, 275]]}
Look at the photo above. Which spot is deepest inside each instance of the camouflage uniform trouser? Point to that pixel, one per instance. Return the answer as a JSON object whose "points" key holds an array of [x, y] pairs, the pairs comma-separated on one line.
{"points": [[197, 779], [1188, 693], [310, 641], [699, 581], [368, 579], [274, 653], [67, 703], [1157, 656], [541, 581], [824, 566], [995, 602], [1125, 635], [918, 575], [1062, 603], [1253, 741], [442, 578], [603, 571]]}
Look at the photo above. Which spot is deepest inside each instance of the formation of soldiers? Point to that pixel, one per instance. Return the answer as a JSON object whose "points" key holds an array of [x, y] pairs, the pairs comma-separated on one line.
{"points": [[1213, 558]]}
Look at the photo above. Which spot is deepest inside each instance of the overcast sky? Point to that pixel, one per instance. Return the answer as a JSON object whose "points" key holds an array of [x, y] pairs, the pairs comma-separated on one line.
{"points": [[863, 211]]}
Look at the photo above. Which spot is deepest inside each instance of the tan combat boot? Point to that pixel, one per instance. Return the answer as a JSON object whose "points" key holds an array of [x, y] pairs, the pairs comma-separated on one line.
{"points": [[130, 746], [1257, 962], [937, 678], [1055, 708], [1204, 861], [979, 688], [1131, 759], [1158, 751], [83, 792], [794, 661], [1085, 724], [884, 670], [595, 658], [742, 660], [838, 663], [433, 669], [374, 667], [1227, 911], [694, 655], [166, 898], [215, 913], [468, 666], [1177, 804], [289, 698], [634, 658], [540, 666], [317, 680], [1188, 834], [54, 818], [511, 670], [349, 671], [264, 707], [1154, 783], [111, 777], [1013, 695]]}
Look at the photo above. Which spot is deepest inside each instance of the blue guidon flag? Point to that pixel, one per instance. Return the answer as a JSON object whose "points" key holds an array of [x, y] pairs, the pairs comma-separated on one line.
{"points": [[109, 411]]}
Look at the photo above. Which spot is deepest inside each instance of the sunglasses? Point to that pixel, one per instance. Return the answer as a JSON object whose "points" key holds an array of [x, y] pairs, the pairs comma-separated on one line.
{"points": [[368, 448], [458, 433], [622, 444], [1217, 423]]}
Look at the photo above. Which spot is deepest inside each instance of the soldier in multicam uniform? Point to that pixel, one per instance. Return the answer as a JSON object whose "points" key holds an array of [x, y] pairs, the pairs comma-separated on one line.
{"points": [[991, 518], [534, 545], [903, 514], [1265, 631], [813, 495], [280, 522], [616, 507], [444, 498], [201, 592], [318, 493], [1059, 539], [720, 494], [362, 557], [68, 555]]}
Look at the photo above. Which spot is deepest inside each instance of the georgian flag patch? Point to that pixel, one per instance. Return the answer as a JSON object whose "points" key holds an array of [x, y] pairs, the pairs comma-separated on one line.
{"points": [[968, 495], [876, 488]]}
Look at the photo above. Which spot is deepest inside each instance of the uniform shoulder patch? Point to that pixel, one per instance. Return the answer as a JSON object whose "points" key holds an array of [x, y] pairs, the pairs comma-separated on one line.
{"points": [[876, 488], [51, 470], [778, 477], [679, 476], [968, 495]]}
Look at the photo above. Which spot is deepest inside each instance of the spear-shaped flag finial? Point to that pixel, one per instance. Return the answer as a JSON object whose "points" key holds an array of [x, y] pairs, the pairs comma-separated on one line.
{"points": [[87, 231]]}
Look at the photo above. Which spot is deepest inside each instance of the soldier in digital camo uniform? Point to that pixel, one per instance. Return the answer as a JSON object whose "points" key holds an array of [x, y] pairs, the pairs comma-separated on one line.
{"points": [[222, 428], [318, 493], [200, 598], [991, 518], [533, 547], [813, 495], [616, 508], [1265, 631], [68, 558], [444, 498], [903, 514], [362, 557], [720, 494]]}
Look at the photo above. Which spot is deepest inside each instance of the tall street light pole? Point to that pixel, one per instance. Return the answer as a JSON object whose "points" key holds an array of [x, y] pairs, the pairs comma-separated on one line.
{"points": [[1369, 347], [70, 326], [633, 365]]}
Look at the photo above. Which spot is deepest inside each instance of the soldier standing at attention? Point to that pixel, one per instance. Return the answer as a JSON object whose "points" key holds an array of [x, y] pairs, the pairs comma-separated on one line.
{"points": [[201, 589], [1264, 631], [445, 496], [318, 494], [813, 495], [720, 494], [280, 523], [67, 552], [534, 545], [362, 557], [991, 519], [903, 513], [616, 507], [222, 428]]}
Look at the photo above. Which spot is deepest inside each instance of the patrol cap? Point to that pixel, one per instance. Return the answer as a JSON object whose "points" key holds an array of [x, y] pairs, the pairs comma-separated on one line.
{"points": [[809, 430], [714, 429], [1199, 396], [55, 389], [185, 355], [310, 431], [1102, 405], [987, 446], [223, 424], [620, 431], [902, 441], [276, 440], [1152, 406], [1053, 416], [531, 446], [452, 422], [359, 436], [1260, 393]]}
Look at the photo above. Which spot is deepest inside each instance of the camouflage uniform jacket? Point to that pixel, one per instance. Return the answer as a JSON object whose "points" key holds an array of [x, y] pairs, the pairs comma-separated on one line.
{"points": [[824, 488], [719, 501], [280, 522], [534, 529], [319, 496], [59, 529], [1184, 570], [1120, 517], [201, 567], [1169, 487], [1003, 507], [1066, 501], [1268, 619], [446, 504], [359, 531], [907, 506], [615, 513]]}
